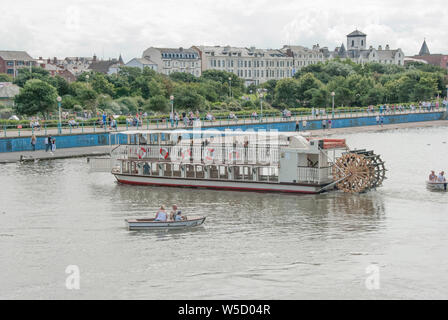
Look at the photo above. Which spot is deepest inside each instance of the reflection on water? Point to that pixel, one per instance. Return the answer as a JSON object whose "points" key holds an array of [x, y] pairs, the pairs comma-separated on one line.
{"points": [[252, 245]]}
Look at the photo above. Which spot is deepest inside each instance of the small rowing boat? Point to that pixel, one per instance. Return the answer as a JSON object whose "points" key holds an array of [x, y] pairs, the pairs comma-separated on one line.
{"points": [[150, 224], [436, 186]]}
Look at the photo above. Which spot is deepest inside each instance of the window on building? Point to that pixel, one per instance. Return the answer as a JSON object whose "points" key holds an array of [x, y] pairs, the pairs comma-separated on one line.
{"points": [[362, 42], [353, 43]]}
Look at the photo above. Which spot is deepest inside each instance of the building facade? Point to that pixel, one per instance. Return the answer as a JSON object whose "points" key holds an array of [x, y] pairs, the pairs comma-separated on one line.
{"points": [[357, 51], [303, 56], [142, 63], [169, 60], [253, 65], [111, 66], [8, 91], [11, 62]]}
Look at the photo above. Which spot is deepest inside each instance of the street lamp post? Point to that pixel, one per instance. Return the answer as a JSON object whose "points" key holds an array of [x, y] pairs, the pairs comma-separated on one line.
{"points": [[261, 95], [332, 103], [172, 110], [59, 99], [230, 87]]}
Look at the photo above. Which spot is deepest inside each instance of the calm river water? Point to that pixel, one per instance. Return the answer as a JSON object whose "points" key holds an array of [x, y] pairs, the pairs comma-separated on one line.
{"points": [[263, 246]]}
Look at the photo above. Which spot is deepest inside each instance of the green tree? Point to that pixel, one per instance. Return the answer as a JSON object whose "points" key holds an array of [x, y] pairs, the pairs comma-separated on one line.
{"points": [[374, 96], [36, 97], [186, 98], [319, 97], [84, 94], [157, 104], [34, 73], [306, 82], [61, 85], [426, 88], [5, 78], [101, 84], [183, 77], [287, 92]]}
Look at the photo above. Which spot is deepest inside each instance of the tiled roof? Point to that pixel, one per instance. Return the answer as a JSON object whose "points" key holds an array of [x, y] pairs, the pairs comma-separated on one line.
{"points": [[15, 55], [8, 90], [102, 66], [356, 33]]}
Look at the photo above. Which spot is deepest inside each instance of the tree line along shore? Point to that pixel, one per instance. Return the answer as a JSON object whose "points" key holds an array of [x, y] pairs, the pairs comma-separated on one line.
{"points": [[135, 91]]}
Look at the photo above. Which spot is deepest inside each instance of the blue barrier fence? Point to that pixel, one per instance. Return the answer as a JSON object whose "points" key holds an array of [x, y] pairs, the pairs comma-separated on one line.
{"points": [[101, 139]]}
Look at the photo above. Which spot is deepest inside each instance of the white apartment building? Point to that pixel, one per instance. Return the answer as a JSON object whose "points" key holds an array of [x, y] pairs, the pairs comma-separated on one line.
{"points": [[304, 56], [142, 63], [253, 65], [170, 60]]}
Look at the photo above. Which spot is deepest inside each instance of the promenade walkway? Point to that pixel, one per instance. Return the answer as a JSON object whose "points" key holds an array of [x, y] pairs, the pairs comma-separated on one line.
{"points": [[9, 157], [164, 124]]}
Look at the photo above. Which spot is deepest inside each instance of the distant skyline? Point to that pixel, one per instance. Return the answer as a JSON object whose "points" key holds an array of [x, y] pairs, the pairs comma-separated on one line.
{"points": [[51, 28]]}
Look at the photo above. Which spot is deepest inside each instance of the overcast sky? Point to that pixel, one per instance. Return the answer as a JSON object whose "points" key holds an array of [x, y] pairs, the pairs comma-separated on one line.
{"points": [[83, 27]]}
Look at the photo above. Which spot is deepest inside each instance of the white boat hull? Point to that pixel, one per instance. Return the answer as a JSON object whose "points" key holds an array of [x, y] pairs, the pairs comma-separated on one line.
{"points": [[150, 224], [218, 185], [436, 186]]}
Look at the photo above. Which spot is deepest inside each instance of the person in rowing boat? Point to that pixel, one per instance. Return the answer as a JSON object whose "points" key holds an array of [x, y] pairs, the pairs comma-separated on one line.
{"points": [[441, 178], [161, 214], [175, 214], [432, 177]]}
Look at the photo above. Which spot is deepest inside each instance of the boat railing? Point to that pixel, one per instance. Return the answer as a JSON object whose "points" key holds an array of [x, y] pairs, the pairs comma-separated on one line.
{"points": [[314, 175], [222, 154]]}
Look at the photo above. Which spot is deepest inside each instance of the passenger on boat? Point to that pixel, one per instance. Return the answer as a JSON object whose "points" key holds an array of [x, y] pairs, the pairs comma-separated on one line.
{"points": [[179, 216], [442, 179], [175, 214], [161, 214], [432, 177]]}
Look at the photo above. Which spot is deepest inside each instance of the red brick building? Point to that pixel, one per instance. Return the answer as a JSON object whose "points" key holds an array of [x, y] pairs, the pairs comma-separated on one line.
{"points": [[12, 61]]}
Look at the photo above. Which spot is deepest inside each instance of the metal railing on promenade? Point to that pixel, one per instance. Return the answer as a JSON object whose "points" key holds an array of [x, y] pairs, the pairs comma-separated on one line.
{"points": [[89, 126]]}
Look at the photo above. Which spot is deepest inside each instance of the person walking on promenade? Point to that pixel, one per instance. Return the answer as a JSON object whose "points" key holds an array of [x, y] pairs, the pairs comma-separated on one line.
{"points": [[330, 123], [378, 120], [33, 142], [324, 124], [381, 120], [48, 143], [297, 126], [53, 145], [304, 123]]}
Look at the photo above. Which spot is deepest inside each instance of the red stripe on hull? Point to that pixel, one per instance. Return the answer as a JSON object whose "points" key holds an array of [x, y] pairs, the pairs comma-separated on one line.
{"points": [[211, 187]]}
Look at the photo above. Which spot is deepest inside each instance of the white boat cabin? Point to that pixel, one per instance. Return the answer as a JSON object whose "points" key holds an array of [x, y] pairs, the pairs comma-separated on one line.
{"points": [[267, 157]]}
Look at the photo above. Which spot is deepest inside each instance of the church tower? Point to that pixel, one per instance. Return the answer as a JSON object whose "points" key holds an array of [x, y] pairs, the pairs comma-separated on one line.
{"points": [[424, 50], [356, 40]]}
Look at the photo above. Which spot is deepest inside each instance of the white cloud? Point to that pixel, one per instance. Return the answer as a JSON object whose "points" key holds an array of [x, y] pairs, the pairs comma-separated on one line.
{"points": [[82, 27]]}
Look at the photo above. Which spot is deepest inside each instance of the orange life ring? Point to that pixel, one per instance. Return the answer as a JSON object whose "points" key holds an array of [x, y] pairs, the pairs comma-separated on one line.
{"points": [[209, 154], [164, 153], [141, 153]]}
